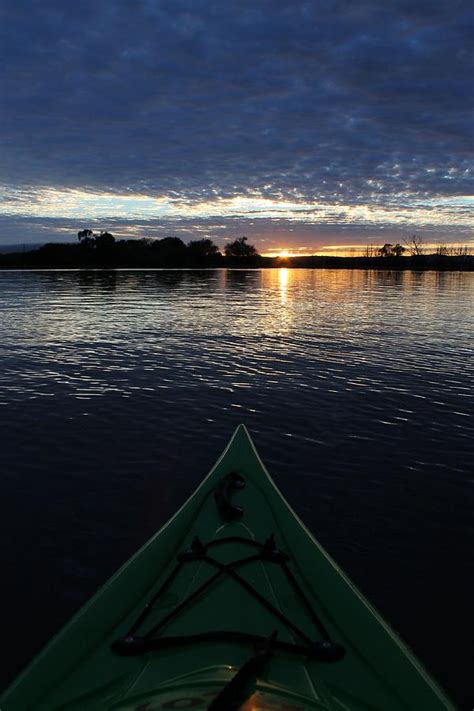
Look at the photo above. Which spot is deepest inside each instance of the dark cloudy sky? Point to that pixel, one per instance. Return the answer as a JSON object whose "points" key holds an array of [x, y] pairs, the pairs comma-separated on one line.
{"points": [[297, 123]]}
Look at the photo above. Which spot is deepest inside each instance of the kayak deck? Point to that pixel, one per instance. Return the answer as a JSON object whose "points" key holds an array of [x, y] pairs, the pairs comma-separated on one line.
{"points": [[233, 581]]}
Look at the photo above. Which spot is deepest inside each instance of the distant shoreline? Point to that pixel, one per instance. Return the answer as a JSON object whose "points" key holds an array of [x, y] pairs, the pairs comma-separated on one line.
{"points": [[103, 251], [57, 258]]}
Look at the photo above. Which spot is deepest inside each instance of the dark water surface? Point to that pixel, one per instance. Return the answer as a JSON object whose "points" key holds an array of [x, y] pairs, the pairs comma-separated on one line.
{"points": [[119, 389]]}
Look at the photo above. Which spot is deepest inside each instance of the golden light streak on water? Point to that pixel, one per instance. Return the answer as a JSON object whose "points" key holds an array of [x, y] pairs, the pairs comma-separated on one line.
{"points": [[283, 283]]}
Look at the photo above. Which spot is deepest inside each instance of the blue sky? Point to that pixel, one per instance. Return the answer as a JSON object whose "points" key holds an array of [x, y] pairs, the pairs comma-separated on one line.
{"points": [[299, 124]]}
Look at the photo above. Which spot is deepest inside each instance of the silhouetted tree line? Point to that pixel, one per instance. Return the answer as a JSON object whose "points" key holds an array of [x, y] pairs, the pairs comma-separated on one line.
{"points": [[168, 251], [416, 248], [103, 250]]}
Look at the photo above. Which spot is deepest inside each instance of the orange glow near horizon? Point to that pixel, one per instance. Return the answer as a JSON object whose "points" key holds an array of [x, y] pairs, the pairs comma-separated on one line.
{"points": [[307, 251], [341, 250], [285, 252], [357, 250]]}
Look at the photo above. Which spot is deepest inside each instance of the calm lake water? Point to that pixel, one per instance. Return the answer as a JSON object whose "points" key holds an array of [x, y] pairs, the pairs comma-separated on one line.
{"points": [[119, 389]]}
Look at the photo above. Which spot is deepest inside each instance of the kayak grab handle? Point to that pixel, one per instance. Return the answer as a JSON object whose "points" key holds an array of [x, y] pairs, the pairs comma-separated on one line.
{"points": [[222, 492]]}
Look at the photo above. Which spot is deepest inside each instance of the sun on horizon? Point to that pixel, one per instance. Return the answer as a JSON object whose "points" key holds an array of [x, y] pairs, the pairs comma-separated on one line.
{"points": [[286, 252]]}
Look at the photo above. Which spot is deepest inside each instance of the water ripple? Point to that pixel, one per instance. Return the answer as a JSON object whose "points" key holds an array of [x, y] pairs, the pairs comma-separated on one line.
{"points": [[118, 389]]}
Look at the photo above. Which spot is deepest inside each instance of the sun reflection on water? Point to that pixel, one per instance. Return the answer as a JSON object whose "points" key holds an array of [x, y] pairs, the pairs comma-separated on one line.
{"points": [[130, 381], [283, 282], [96, 333]]}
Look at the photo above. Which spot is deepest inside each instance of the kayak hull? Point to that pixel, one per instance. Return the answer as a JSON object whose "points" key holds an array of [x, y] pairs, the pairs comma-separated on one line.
{"points": [[196, 610]]}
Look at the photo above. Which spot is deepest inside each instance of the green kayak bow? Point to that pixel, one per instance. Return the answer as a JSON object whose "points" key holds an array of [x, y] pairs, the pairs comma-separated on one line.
{"points": [[232, 605]]}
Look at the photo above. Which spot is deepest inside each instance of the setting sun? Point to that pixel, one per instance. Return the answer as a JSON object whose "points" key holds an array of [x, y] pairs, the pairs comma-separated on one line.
{"points": [[284, 253]]}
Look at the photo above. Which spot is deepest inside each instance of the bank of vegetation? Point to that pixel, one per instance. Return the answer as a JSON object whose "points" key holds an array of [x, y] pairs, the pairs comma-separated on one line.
{"points": [[103, 251]]}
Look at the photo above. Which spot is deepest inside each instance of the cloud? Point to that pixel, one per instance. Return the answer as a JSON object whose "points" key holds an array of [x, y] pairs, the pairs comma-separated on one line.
{"points": [[332, 103]]}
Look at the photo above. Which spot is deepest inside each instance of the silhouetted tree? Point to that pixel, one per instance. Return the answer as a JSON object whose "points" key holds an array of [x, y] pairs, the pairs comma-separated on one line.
{"points": [[168, 246], [84, 234], [415, 245], [202, 248], [169, 251], [460, 251], [397, 250], [86, 239], [104, 241], [240, 248], [168, 243], [391, 250], [386, 250]]}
